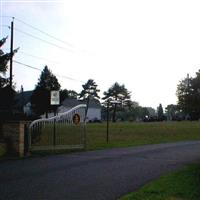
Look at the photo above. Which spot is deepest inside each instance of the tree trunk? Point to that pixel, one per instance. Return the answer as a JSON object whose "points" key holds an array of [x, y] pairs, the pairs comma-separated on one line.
{"points": [[46, 114], [87, 106], [114, 113]]}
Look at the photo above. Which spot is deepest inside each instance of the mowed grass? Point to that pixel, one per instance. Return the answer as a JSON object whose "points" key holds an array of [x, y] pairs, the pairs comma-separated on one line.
{"points": [[64, 135], [180, 185], [126, 134], [123, 134]]}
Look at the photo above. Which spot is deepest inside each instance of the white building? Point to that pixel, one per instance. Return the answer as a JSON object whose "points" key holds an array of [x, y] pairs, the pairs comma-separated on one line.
{"points": [[94, 108]]}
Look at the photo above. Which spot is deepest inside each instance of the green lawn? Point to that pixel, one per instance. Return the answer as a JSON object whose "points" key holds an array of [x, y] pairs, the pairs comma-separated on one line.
{"points": [[64, 134], [133, 134], [122, 134], [180, 185]]}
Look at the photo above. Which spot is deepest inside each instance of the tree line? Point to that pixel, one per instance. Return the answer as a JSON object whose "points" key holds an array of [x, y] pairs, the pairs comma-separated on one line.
{"points": [[116, 100]]}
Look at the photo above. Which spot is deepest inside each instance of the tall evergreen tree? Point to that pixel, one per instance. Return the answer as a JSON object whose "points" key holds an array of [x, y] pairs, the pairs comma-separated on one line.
{"points": [[89, 91], [116, 93], [160, 113], [40, 98], [7, 93], [4, 58]]}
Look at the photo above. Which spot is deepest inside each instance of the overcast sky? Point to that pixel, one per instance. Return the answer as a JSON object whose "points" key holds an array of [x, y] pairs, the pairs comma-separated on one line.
{"points": [[147, 45]]}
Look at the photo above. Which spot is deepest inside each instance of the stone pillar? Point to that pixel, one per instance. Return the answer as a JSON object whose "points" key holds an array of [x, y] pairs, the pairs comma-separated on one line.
{"points": [[21, 139], [13, 133]]}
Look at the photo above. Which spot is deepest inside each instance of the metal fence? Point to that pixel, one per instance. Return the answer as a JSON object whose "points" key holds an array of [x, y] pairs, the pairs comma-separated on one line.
{"points": [[64, 131]]}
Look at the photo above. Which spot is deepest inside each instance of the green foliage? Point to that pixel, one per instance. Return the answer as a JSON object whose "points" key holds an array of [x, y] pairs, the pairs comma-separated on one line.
{"points": [[180, 185], [188, 93], [7, 93], [40, 98], [117, 93], [173, 112], [47, 80], [4, 58], [68, 94], [160, 112], [89, 90]]}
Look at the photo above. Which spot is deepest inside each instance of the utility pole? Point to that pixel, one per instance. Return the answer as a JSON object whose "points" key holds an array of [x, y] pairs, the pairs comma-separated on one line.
{"points": [[11, 53]]}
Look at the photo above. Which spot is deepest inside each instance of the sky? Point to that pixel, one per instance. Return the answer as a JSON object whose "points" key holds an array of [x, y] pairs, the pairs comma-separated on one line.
{"points": [[147, 45]]}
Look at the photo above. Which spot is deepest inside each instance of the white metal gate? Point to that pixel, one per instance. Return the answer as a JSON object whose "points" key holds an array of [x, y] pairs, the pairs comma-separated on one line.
{"points": [[65, 131]]}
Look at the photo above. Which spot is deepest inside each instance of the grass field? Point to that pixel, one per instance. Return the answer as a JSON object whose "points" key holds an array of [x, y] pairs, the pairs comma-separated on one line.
{"points": [[180, 185], [124, 134], [133, 134]]}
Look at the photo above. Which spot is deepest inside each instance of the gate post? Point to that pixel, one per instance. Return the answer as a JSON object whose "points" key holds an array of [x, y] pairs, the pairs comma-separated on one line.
{"points": [[54, 132], [84, 136], [26, 141], [21, 138]]}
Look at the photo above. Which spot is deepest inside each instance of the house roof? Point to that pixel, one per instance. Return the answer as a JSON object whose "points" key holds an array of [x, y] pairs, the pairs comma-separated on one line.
{"points": [[23, 98], [74, 102], [93, 103], [70, 102]]}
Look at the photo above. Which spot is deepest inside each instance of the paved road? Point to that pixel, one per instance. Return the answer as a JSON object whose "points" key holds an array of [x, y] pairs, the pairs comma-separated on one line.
{"points": [[97, 175]]}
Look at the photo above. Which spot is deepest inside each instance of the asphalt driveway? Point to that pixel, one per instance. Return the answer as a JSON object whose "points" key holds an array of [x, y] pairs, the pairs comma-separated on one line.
{"points": [[96, 175]]}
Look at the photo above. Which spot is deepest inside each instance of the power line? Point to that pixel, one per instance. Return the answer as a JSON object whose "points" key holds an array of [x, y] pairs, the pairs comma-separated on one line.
{"points": [[35, 68], [4, 16], [38, 57], [47, 34], [35, 1], [41, 31], [26, 65], [50, 43]]}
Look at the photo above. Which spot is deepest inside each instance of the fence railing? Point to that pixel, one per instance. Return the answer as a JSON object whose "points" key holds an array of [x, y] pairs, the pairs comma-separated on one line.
{"points": [[66, 130]]}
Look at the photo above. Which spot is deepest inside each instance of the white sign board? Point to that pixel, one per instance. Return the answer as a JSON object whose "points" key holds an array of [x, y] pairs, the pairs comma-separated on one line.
{"points": [[55, 97]]}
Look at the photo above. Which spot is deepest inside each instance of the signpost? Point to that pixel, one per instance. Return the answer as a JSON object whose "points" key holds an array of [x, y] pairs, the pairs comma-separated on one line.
{"points": [[55, 97], [55, 100], [109, 102]]}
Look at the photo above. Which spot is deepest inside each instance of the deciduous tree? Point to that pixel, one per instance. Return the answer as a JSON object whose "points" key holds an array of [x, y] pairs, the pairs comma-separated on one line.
{"points": [[188, 93]]}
